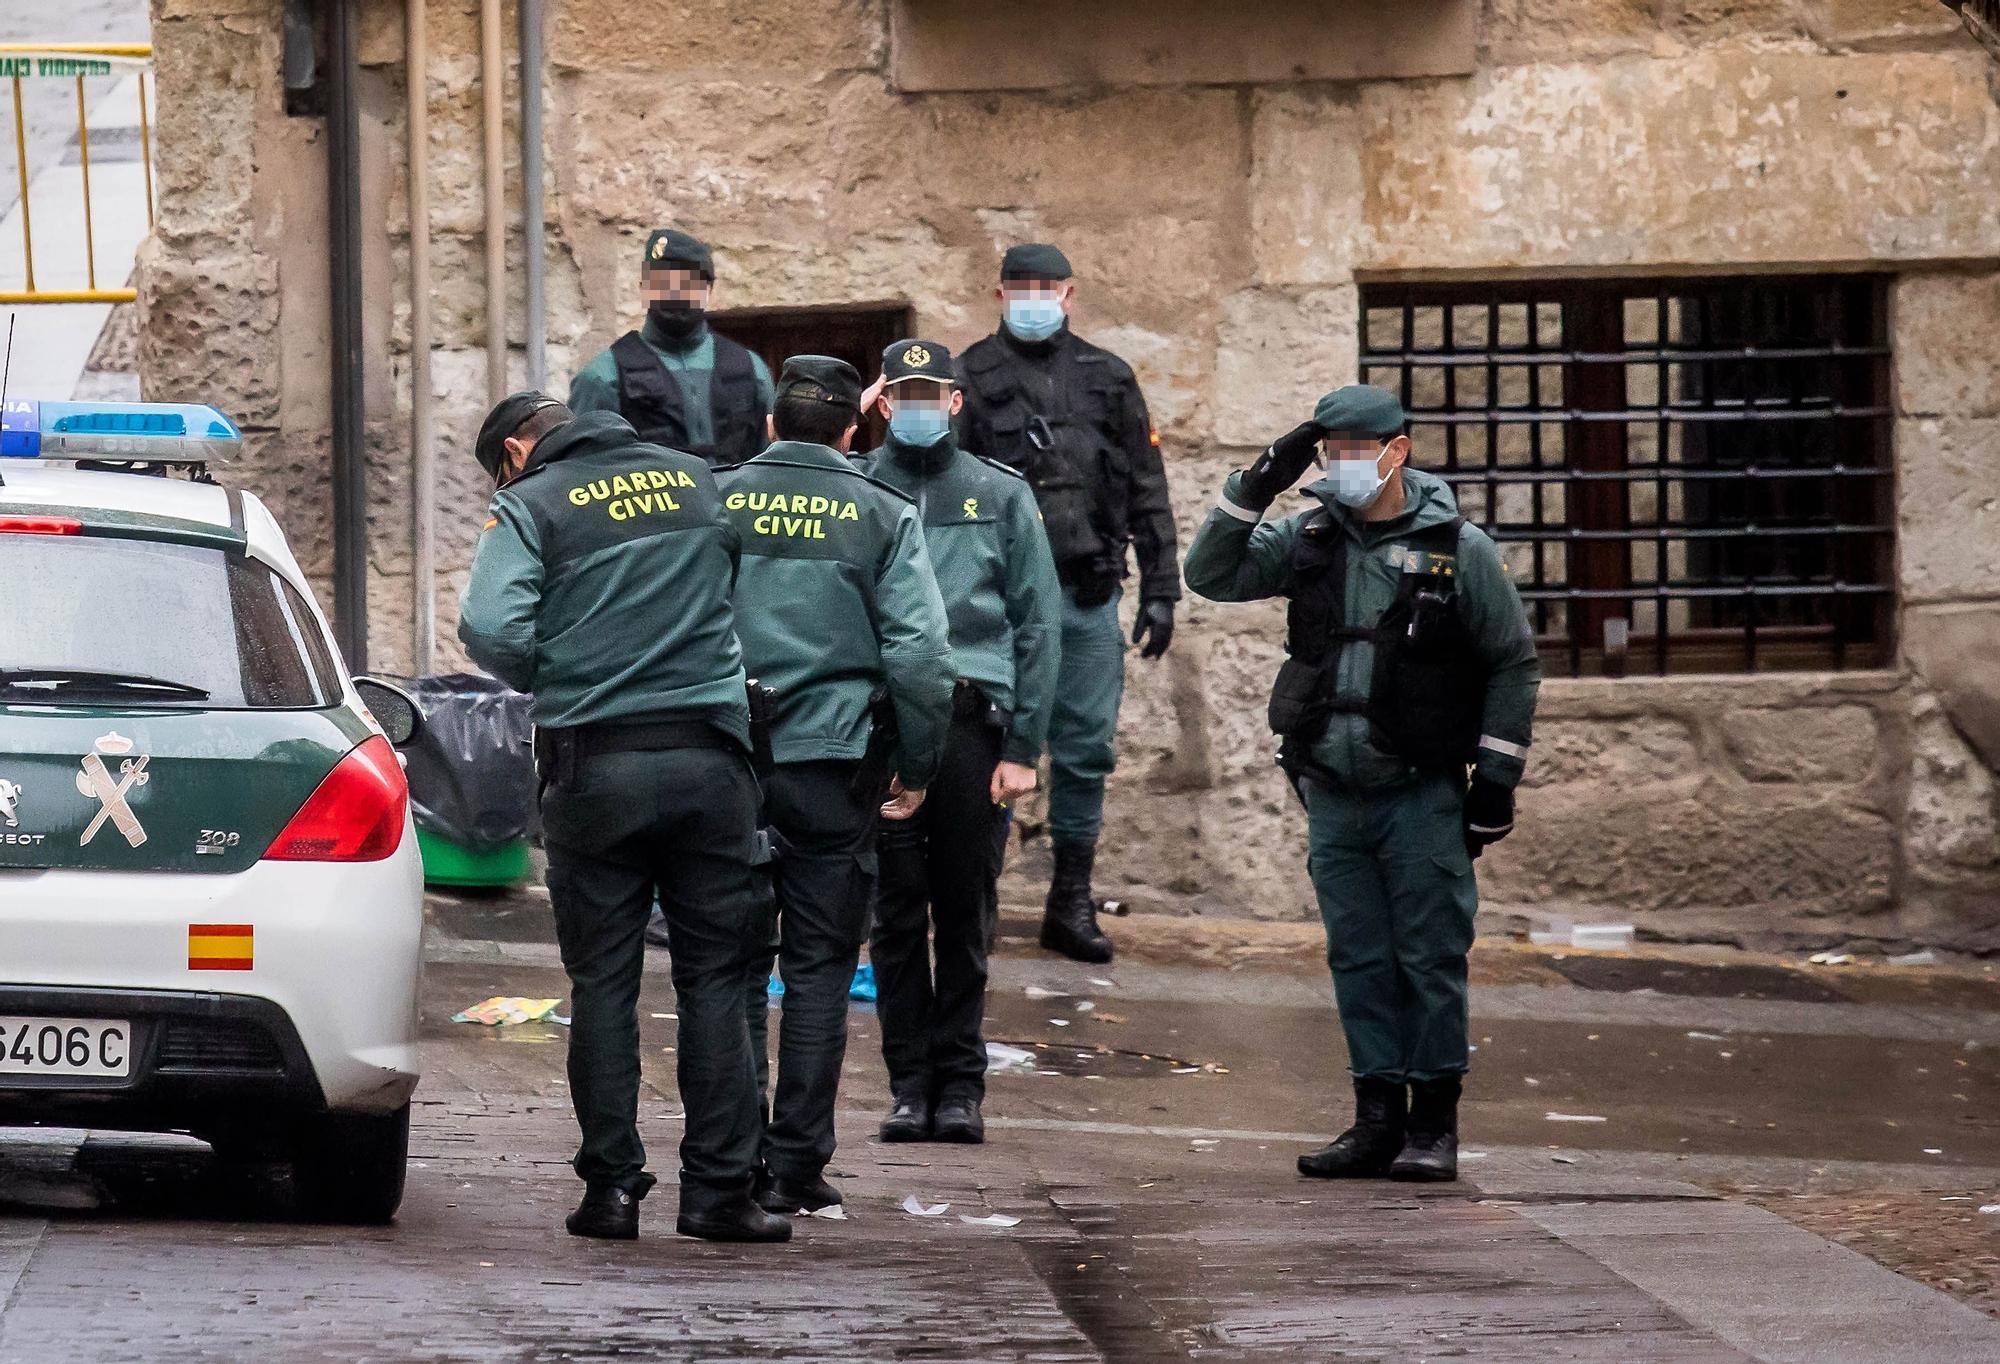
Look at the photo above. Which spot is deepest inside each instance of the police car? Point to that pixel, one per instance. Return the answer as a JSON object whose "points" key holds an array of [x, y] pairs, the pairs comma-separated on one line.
{"points": [[211, 900]]}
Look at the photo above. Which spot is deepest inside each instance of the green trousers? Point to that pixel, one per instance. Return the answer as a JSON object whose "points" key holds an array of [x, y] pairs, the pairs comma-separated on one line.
{"points": [[1083, 726], [1396, 892]]}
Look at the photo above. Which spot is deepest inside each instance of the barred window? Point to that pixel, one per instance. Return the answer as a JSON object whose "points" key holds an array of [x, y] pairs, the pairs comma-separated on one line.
{"points": [[1682, 475]]}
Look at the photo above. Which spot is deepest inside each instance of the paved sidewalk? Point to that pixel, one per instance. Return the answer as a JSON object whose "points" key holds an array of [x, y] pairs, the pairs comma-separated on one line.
{"points": [[1160, 1216]]}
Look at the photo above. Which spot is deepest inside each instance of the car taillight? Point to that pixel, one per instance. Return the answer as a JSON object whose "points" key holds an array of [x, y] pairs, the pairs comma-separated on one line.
{"points": [[356, 815], [39, 525]]}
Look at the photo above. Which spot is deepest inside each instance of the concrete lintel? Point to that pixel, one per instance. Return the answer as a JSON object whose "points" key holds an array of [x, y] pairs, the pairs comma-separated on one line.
{"points": [[939, 45]]}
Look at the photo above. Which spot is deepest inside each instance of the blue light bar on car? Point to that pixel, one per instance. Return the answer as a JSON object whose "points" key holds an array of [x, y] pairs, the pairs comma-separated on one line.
{"points": [[177, 433]]}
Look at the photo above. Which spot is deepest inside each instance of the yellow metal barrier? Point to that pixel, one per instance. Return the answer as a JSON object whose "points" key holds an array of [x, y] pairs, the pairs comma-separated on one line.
{"points": [[74, 61]]}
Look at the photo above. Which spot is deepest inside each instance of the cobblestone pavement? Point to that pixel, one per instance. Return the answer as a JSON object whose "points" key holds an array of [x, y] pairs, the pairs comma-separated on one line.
{"points": [[1160, 1216]]}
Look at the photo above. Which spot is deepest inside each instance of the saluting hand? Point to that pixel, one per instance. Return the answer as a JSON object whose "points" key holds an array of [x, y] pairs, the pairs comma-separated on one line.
{"points": [[869, 394], [902, 802], [1011, 781]]}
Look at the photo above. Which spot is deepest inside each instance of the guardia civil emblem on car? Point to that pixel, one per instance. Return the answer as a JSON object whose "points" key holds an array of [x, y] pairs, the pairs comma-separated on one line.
{"points": [[10, 804], [95, 780]]}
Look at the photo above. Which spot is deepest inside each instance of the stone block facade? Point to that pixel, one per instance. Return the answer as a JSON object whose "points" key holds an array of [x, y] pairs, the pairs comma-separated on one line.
{"points": [[1220, 233]]}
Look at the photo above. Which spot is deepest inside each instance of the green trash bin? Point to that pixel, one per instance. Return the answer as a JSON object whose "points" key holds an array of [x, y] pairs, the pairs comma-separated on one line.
{"points": [[453, 864]]}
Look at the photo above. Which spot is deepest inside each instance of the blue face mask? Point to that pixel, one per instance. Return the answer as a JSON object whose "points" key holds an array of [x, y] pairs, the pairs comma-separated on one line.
{"points": [[919, 424], [1355, 481], [1034, 319]]}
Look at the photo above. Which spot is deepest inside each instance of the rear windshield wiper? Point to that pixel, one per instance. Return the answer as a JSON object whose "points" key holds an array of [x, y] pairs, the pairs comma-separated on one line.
{"points": [[90, 679]]}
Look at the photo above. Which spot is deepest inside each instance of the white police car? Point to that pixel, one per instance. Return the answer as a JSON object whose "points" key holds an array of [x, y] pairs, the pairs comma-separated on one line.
{"points": [[211, 901]]}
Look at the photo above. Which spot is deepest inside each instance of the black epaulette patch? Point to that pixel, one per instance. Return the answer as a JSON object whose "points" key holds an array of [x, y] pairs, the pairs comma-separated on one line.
{"points": [[1007, 469]]}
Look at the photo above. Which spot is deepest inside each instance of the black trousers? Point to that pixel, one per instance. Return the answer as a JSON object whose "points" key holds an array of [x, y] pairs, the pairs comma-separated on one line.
{"points": [[681, 823], [938, 873], [824, 877]]}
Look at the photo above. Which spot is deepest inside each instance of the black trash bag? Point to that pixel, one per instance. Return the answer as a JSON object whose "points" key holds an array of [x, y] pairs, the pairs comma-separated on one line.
{"points": [[472, 766]]}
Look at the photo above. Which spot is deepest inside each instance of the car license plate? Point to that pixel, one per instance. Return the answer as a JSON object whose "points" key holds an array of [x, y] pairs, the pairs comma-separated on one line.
{"points": [[65, 1046]]}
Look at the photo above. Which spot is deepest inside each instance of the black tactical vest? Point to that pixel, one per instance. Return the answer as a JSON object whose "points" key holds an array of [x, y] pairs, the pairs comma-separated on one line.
{"points": [[1427, 694], [1058, 425], [650, 398]]}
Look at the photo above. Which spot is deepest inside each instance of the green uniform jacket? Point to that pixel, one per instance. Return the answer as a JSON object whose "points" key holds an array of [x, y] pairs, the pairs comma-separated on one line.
{"points": [[993, 566], [601, 584], [835, 600], [595, 387], [1235, 557]]}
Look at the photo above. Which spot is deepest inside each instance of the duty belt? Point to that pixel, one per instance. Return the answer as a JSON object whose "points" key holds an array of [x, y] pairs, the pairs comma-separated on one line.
{"points": [[558, 751]]}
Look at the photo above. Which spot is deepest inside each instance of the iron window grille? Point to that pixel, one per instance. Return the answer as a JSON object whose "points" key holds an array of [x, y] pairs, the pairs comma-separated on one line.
{"points": [[1685, 475]]}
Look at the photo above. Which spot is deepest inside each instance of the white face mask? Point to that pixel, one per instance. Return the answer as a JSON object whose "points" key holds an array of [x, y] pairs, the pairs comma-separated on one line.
{"points": [[1356, 480]]}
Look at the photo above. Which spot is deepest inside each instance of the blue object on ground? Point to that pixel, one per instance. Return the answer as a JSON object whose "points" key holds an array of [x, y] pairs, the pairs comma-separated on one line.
{"points": [[863, 987]]}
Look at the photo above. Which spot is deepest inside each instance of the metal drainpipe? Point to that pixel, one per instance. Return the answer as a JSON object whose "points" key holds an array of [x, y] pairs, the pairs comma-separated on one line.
{"points": [[343, 213], [532, 247], [491, 77], [423, 473]]}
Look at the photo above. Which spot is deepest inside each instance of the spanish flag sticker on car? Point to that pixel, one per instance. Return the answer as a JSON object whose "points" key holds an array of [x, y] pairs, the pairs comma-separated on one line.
{"points": [[219, 947]]}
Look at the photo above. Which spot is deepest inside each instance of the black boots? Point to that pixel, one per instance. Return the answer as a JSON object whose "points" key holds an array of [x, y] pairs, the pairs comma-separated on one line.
{"points": [[1069, 919], [908, 1120], [739, 1221], [607, 1213], [789, 1196], [958, 1120], [1430, 1151], [1368, 1149]]}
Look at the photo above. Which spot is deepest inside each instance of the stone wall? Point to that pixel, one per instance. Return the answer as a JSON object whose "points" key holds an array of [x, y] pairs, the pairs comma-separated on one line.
{"points": [[1218, 232]]}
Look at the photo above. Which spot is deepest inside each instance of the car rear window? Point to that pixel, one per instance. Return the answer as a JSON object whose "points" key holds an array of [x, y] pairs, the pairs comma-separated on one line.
{"points": [[184, 613]]}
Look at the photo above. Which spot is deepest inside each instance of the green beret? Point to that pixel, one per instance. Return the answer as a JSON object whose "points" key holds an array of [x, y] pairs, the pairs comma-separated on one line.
{"points": [[1360, 410], [1034, 260], [667, 249], [822, 378], [509, 415], [914, 359]]}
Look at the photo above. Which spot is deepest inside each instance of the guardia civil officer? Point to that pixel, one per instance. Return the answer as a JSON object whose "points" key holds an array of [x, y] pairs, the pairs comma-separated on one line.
{"points": [[838, 613], [1070, 417], [940, 865], [601, 585], [1410, 660], [674, 379]]}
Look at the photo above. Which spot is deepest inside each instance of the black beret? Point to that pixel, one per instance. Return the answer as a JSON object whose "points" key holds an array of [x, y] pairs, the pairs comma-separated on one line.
{"points": [[667, 249], [507, 417], [1034, 260], [1360, 410], [821, 377], [914, 359]]}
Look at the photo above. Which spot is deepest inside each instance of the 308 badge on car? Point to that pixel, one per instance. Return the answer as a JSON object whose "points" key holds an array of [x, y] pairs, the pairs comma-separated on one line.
{"points": [[65, 1046]]}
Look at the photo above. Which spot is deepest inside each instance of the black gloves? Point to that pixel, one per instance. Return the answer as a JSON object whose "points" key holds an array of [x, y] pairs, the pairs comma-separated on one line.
{"points": [[1279, 467], [1155, 625], [1489, 814]]}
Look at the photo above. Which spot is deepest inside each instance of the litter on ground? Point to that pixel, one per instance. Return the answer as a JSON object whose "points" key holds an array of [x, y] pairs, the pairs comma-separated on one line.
{"points": [[1572, 1117], [832, 1212], [915, 1207], [507, 1009], [998, 1219], [1000, 1056]]}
